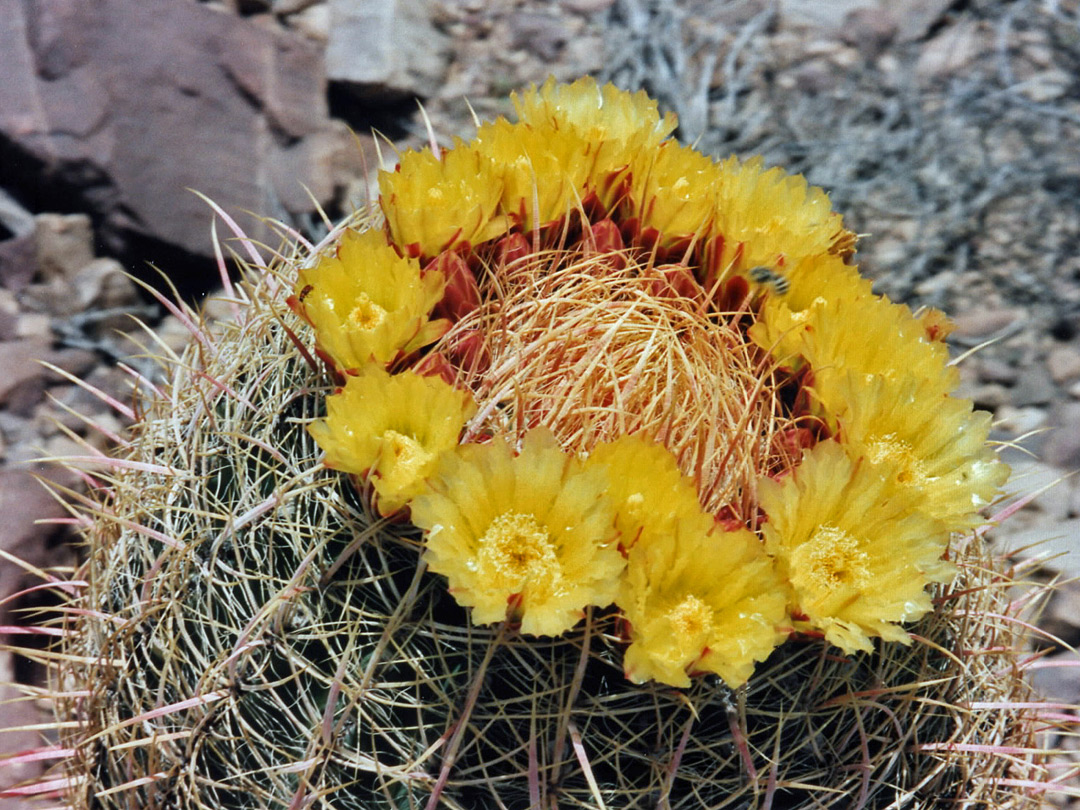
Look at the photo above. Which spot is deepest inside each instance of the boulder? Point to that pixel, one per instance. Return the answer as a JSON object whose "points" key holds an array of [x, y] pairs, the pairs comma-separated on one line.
{"points": [[386, 49]]}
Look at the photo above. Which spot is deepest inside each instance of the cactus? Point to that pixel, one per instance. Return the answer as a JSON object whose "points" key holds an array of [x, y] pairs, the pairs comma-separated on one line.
{"points": [[264, 618]]}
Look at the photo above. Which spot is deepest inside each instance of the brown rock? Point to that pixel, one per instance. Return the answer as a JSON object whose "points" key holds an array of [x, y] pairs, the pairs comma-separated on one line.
{"points": [[65, 244], [385, 48], [1063, 363], [17, 265], [22, 382], [103, 284], [228, 95], [869, 29], [984, 322]]}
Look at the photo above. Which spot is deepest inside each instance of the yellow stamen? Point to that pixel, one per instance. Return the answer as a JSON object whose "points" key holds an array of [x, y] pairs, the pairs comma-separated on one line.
{"points": [[891, 450], [831, 558], [366, 314], [692, 621], [517, 550]]}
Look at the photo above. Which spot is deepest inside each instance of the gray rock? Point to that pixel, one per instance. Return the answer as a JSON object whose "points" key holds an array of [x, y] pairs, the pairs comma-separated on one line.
{"points": [[385, 48], [915, 18], [1034, 386], [228, 95], [1062, 447]]}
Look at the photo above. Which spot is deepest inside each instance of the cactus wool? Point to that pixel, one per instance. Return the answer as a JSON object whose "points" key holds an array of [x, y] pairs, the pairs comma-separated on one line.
{"points": [[582, 471]]}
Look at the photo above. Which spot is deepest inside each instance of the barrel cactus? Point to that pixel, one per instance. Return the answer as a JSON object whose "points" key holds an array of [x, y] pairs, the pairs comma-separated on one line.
{"points": [[581, 470]]}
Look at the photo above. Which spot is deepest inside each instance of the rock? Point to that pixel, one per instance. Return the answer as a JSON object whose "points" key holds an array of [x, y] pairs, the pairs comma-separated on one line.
{"points": [[915, 18], [1057, 542], [1062, 447], [544, 35], [815, 14], [65, 244], [313, 22], [103, 284], [586, 6], [997, 371], [1063, 363], [1057, 679], [22, 378], [951, 51], [1034, 386], [1046, 85], [79, 78], [1018, 421], [286, 7], [869, 29], [17, 264], [34, 325], [385, 49], [987, 397], [9, 315], [983, 322], [1053, 485]]}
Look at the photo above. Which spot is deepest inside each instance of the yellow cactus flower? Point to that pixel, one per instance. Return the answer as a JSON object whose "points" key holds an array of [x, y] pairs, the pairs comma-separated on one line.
{"points": [[925, 439], [436, 203], [854, 331], [856, 549], [765, 216], [700, 601], [367, 303], [528, 537], [607, 125], [597, 114], [391, 429], [666, 191], [545, 171], [649, 491]]}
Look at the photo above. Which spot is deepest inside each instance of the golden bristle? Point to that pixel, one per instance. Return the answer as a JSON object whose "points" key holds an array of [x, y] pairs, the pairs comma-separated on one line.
{"points": [[592, 347]]}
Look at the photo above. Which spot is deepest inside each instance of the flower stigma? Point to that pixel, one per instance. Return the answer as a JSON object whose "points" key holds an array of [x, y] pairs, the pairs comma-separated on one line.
{"points": [[366, 314], [516, 550]]}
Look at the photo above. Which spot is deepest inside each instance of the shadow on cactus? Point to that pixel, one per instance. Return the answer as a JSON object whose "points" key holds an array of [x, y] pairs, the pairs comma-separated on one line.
{"points": [[581, 471]]}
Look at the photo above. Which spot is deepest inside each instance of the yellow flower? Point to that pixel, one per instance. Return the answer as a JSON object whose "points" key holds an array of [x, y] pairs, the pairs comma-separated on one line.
{"points": [[854, 331], [856, 549], [435, 203], [649, 491], [544, 171], [670, 191], [367, 303], [392, 429], [921, 437], [596, 114], [594, 129], [528, 537], [700, 601], [766, 217]]}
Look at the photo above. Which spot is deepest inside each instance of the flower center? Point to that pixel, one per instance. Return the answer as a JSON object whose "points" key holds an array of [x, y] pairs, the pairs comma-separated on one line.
{"points": [[692, 621], [516, 550], [366, 314], [829, 560], [402, 459], [896, 452]]}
